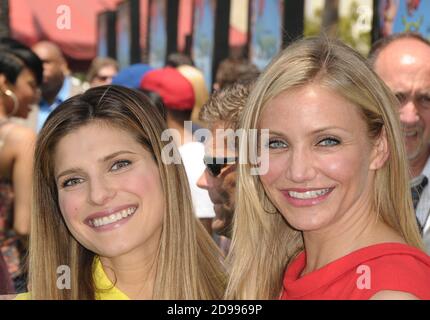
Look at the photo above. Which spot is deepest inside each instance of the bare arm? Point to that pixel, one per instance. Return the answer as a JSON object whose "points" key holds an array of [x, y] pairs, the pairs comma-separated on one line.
{"points": [[24, 140]]}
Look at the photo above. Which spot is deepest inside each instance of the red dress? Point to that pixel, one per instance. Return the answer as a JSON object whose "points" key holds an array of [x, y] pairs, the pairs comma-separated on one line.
{"points": [[361, 274]]}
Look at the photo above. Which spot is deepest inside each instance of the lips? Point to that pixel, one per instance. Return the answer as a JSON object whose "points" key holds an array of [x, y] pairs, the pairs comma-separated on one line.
{"points": [[110, 217]]}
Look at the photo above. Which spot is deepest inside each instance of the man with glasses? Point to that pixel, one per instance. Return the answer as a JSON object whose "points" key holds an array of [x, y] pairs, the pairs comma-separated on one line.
{"points": [[403, 62], [221, 113]]}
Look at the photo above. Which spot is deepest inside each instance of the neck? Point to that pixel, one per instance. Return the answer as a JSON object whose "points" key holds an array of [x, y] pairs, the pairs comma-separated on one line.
{"points": [[351, 232], [3, 109], [133, 273], [3, 113], [184, 135]]}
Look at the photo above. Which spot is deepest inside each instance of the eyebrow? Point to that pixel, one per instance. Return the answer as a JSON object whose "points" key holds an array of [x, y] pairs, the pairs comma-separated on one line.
{"points": [[104, 159], [317, 131]]}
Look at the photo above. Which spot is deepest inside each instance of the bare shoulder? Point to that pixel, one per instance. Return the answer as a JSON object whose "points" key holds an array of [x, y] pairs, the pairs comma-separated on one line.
{"points": [[19, 133], [20, 139], [393, 295]]}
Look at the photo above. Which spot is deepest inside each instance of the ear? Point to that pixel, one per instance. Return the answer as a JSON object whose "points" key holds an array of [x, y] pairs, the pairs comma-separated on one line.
{"points": [[380, 151]]}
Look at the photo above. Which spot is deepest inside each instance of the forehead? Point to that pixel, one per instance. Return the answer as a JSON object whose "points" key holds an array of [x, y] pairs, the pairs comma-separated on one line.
{"points": [[108, 69], [310, 107], [404, 60], [91, 142], [47, 53]]}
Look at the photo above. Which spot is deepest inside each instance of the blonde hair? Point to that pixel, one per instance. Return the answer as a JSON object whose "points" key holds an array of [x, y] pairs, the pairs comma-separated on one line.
{"points": [[263, 243], [225, 106], [201, 94], [188, 261]]}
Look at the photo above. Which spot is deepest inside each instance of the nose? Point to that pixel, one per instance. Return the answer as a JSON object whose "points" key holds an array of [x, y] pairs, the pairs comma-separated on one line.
{"points": [[300, 166], [100, 191], [205, 180], [409, 114], [202, 182]]}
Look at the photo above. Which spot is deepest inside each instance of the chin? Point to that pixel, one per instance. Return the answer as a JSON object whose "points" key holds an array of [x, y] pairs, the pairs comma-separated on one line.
{"points": [[307, 224], [112, 252]]}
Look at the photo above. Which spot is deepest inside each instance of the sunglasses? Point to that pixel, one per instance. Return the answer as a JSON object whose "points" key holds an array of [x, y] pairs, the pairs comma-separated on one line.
{"points": [[215, 164]]}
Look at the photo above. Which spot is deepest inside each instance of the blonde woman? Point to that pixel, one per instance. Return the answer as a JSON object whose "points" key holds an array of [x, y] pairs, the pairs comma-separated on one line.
{"points": [[331, 217], [107, 209], [201, 94]]}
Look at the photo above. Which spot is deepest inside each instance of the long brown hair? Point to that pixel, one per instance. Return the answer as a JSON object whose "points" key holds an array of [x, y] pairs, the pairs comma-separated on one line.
{"points": [[188, 262]]}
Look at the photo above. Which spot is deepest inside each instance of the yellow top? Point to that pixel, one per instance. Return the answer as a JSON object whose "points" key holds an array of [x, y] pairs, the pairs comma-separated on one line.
{"points": [[105, 290]]}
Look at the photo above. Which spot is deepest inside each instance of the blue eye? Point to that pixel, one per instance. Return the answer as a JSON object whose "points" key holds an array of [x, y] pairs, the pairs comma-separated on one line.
{"points": [[71, 182], [328, 142], [120, 164], [276, 144]]}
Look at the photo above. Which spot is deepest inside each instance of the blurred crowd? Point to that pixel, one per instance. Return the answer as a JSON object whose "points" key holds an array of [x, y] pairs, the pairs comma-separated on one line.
{"points": [[35, 81]]}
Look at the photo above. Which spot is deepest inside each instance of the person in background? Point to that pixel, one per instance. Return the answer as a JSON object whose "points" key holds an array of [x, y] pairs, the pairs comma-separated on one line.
{"points": [[20, 78], [222, 112], [177, 59], [109, 207], [232, 70], [102, 70], [201, 94], [58, 83], [402, 61], [131, 76], [326, 212], [178, 96]]}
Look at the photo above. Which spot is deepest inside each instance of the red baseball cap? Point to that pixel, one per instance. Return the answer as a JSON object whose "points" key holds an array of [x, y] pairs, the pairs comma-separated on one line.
{"points": [[174, 89]]}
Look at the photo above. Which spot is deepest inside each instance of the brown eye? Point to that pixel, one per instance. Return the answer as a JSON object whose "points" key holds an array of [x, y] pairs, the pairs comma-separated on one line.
{"points": [[71, 182], [120, 164]]}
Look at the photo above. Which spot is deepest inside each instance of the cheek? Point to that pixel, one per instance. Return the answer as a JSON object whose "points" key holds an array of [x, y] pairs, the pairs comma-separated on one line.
{"points": [[426, 120], [345, 167], [70, 205], [146, 186], [276, 169]]}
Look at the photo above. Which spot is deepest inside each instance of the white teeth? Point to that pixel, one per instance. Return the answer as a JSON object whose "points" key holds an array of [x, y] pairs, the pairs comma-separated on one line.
{"points": [[114, 217], [308, 194], [410, 134]]}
